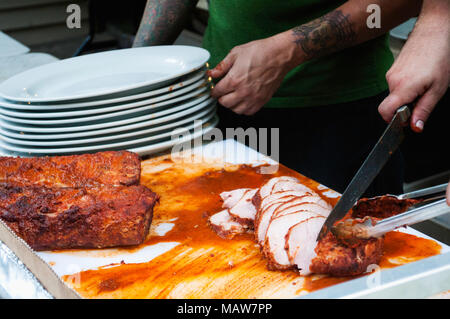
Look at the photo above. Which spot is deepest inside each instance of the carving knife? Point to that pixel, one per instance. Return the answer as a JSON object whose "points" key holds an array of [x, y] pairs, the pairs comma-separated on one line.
{"points": [[380, 154]]}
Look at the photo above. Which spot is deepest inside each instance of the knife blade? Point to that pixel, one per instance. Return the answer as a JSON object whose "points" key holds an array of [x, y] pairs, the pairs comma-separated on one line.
{"points": [[375, 161]]}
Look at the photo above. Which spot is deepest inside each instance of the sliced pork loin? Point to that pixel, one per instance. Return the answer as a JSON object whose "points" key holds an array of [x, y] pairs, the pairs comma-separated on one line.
{"points": [[301, 243], [231, 198], [282, 184], [295, 206], [238, 215], [283, 203], [283, 196], [287, 217], [275, 241], [225, 226], [271, 202], [244, 211]]}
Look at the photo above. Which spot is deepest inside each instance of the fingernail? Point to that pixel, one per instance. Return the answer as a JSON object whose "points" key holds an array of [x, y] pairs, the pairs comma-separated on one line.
{"points": [[419, 124]]}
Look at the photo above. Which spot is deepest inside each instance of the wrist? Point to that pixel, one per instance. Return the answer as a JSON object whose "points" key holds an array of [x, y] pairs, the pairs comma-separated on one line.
{"points": [[287, 50]]}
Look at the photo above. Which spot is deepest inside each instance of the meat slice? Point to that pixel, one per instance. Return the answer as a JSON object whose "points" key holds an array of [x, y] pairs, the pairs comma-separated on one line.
{"points": [[315, 203], [283, 186], [269, 214], [304, 207], [287, 217], [231, 198], [264, 215], [275, 242], [63, 218], [244, 211], [224, 225], [87, 170], [268, 188], [301, 243], [268, 200], [287, 205]]}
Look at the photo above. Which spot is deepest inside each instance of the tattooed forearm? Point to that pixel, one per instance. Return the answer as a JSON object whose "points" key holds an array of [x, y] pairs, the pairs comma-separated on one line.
{"points": [[162, 21], [327, 34]]}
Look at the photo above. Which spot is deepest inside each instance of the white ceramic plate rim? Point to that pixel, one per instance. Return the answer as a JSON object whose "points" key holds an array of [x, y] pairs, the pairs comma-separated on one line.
{"points": [[210, 125], [24, 135], [204, 115], [97, 147], [109, 124], [167, 92], [184, 54], [147, 150], [104, 116]]}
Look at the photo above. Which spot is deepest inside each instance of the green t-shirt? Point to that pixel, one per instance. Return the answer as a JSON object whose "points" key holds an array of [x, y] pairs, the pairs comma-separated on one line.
{"points": [[348, 75]]}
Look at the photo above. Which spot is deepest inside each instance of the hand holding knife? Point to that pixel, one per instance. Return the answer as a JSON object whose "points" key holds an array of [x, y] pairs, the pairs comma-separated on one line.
{"points": [[380, 154]]}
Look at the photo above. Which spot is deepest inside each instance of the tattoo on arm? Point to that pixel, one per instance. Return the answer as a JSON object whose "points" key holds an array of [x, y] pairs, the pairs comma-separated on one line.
{"points": [[329, 33], [162, 21]]}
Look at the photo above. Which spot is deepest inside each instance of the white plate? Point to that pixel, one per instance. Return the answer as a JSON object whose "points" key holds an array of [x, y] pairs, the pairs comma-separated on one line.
{"points": [[204, 115], [116, 143], [133, 145], [152, 149], [127, 113], [94, 75], [14, 133], [195, 105], [164, 93]]}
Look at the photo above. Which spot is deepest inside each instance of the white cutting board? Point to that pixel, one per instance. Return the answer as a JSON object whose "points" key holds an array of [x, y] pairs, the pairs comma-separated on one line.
{"points": [[229, 151]]}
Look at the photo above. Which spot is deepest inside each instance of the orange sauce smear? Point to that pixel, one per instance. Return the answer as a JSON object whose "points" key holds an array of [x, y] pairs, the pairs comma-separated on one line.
{"points": [[398, 249], [204, 265]]}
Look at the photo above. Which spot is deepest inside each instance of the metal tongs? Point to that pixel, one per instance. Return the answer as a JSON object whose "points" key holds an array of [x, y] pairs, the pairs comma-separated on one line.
{"points": [[432, 206]]}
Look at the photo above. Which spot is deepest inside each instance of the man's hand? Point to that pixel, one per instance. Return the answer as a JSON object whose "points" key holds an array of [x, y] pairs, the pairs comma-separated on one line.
{"points": [[251, 73], [421, 73]]}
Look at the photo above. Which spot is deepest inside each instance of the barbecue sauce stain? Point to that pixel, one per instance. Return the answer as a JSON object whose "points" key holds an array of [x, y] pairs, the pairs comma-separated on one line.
{"points": [[400, 248], [204, 265]]}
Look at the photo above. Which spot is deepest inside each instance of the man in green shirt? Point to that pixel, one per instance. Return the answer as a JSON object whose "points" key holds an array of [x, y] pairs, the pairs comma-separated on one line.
{"points": [[313, 68]]}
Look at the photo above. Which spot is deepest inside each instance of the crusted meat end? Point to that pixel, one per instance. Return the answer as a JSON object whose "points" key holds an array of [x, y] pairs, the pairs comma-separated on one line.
{"points": [[337, 259], [63, 218], [87, 170], [382, 206]]}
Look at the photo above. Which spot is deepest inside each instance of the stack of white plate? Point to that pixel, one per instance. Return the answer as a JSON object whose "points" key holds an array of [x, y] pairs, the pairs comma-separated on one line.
{"points": [[130, 99]]}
